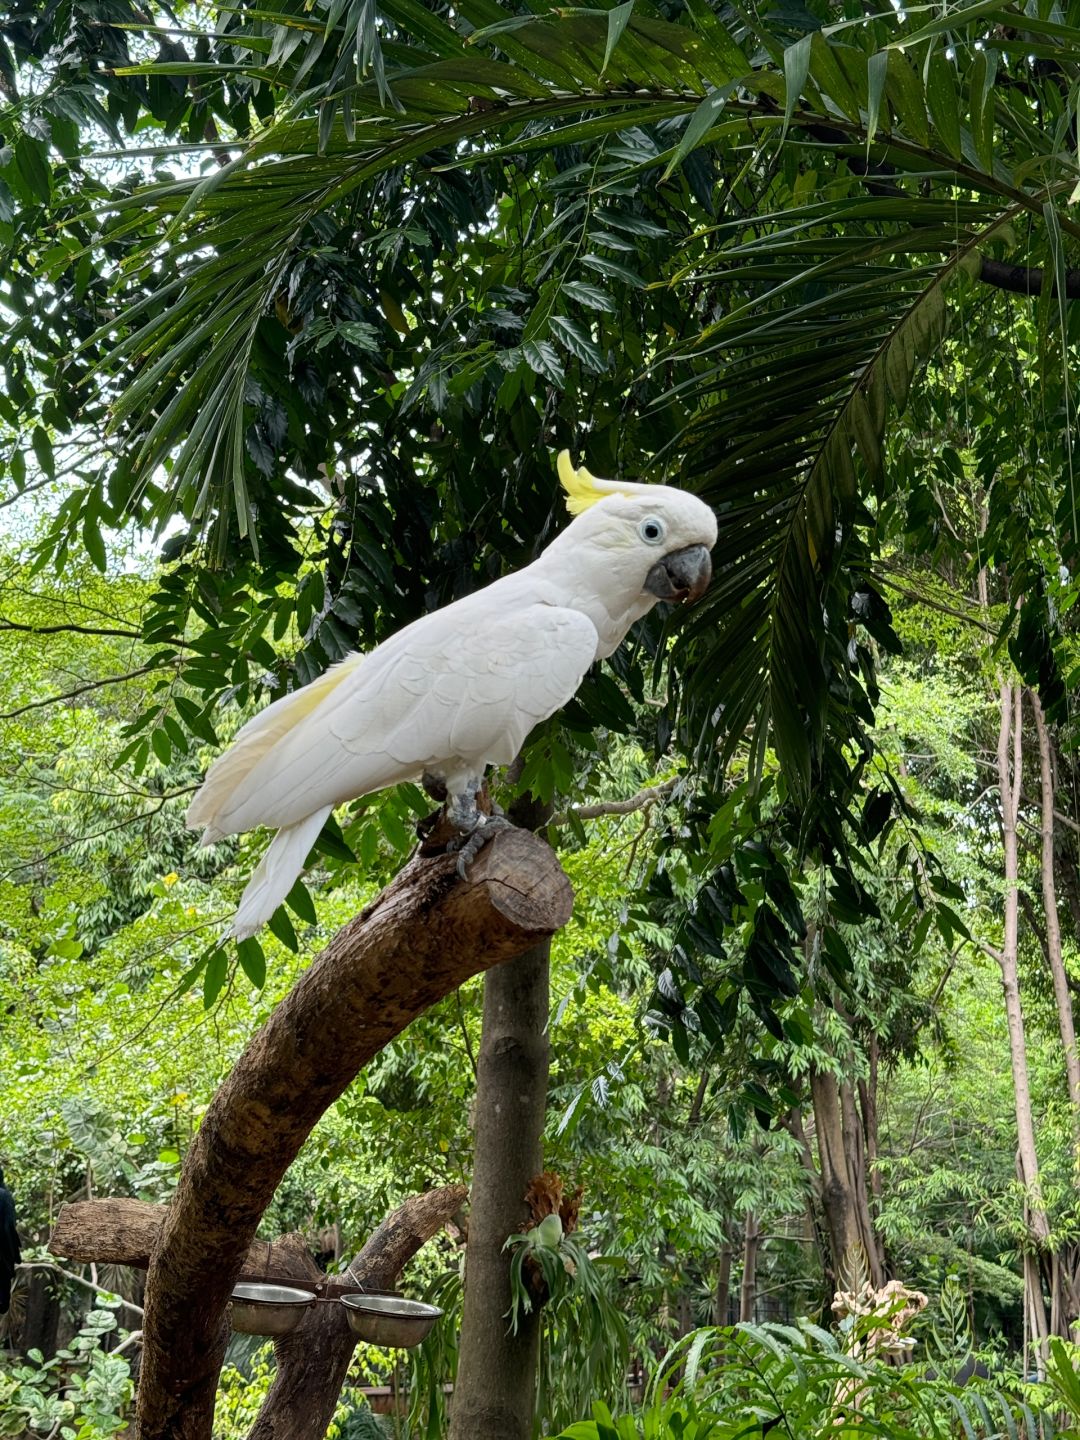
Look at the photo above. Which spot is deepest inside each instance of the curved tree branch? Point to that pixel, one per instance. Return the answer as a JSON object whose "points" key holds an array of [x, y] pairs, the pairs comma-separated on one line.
{"points": [[422, 937]]}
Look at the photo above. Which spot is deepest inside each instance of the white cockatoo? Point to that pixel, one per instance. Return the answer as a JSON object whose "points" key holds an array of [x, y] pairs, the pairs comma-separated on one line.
{"points": [[459, 689]]}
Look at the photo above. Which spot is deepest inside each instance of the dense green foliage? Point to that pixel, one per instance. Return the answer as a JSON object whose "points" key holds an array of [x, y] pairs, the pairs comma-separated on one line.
{"points": [[298, 304]]}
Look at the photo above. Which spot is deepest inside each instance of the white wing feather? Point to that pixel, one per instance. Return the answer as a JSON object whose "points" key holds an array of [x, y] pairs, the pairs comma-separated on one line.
{"points": [[430, 698]]}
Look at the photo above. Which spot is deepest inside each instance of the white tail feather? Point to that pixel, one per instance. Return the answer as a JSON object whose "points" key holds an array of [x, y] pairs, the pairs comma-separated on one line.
{"points": [[276, 873]]}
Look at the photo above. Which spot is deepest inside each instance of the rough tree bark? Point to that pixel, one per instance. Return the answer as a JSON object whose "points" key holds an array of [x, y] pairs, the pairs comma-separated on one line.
{"points": [[496, 1379], [837, 1193], [868, 1090], [815, 1207], [855, 1155], [124, 1232], [422, 937], [314, 1359]]}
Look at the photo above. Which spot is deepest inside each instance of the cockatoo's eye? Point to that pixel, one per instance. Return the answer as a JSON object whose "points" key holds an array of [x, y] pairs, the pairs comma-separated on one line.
{"points": [[652, 530]]}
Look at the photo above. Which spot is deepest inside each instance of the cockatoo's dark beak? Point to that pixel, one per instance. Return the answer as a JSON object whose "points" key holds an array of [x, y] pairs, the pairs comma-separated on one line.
{"points": [[682, 575]]}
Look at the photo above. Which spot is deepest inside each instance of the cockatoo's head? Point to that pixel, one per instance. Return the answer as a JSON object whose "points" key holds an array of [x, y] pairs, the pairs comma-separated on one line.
{"points": [[654, 539]]}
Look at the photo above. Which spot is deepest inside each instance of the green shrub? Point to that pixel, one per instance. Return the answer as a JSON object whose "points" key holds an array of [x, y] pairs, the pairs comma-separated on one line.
{"points": [[800, 1383], [82, 1393]]}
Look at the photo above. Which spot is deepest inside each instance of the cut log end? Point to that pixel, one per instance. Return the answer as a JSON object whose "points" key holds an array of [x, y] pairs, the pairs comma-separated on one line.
{"points": [[525, 881]]}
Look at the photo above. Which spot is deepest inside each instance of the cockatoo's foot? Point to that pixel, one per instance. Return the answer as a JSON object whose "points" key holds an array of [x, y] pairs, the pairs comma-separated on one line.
{"points": [[474, 827], [469, 846]]}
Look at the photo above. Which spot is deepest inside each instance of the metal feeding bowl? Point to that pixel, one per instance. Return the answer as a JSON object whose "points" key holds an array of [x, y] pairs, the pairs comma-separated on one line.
{"points": [[267, 1309], [389, 1320]]}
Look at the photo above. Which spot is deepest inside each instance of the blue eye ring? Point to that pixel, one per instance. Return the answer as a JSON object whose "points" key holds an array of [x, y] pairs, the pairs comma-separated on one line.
{"points": [[652, 530]]}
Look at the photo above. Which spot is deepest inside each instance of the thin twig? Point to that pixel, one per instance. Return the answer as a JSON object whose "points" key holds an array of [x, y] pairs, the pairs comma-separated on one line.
{"points": [[79, 690], [649, 796], [922, 599], [26, 490], [465, 1031], [86, 1284], [83, 839], [71, 629]]}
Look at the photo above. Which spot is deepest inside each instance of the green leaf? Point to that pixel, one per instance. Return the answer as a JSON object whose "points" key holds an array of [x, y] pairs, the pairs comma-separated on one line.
{"points": [[281, 927], [941, 87], [863, 432], [796, 70], [250, 954], [195, 719], [617, 17], [721, 42], [31, 161], [589, 295], [580, 344], [876, 70], [613, 270], [300, 903], [699, 125], [953, 20], [981, 79], [43, 450], [191, 975], [906, 97], [830, 78], [542, 357], [95, 545], [214, 977], [331, 842]]}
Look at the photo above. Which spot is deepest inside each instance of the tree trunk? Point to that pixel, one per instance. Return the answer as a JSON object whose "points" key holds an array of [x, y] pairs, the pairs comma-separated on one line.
{"points": [[496, 1380], [868, 1091], [1009, 783], [424, 935], [1062, 997], [814, 1202], [722, 1293], [837, 1194], [855, 1155], [748, 1289]]}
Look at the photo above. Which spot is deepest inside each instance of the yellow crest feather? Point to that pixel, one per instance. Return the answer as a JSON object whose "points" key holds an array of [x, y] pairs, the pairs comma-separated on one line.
{"points": [[583, 489]]}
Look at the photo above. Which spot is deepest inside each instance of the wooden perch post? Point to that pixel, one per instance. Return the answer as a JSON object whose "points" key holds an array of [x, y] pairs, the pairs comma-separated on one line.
{"points": [[313, 1360], [425, 934]]}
